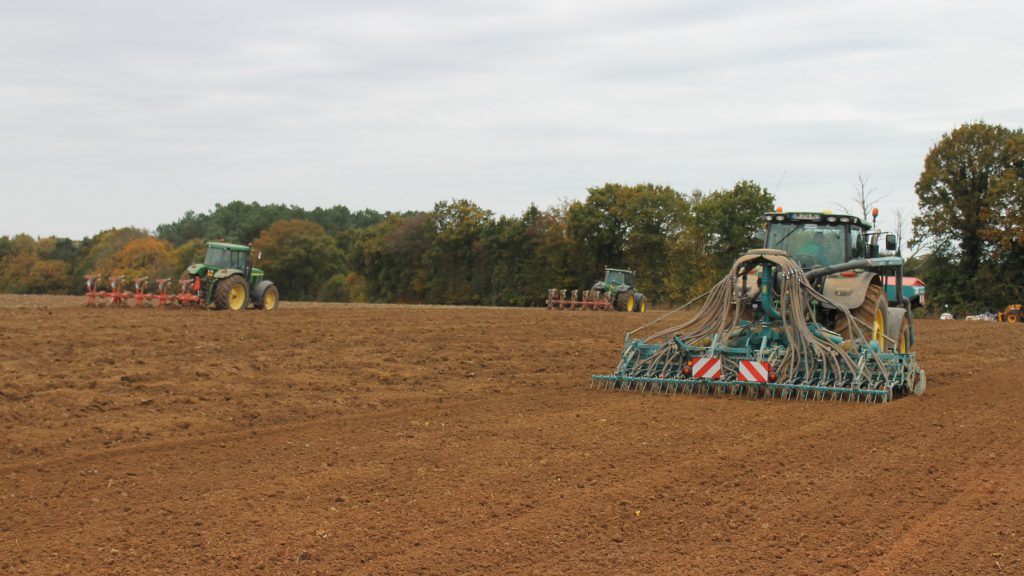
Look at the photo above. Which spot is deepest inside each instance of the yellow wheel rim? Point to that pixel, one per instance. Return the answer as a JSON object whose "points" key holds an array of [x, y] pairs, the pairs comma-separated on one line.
{"points": [[629, 304], [879, 328], [269, 301], [643, 306], [236, 298], [901, 344], [1011, 318]]}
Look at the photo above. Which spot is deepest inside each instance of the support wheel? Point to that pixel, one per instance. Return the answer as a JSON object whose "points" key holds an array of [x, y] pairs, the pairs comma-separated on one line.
{"points": [[920, 384], [872, 313], [232, 293]]}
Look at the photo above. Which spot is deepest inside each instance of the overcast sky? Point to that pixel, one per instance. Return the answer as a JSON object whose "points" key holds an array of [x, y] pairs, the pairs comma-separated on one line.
{"points": [[129, 113]]}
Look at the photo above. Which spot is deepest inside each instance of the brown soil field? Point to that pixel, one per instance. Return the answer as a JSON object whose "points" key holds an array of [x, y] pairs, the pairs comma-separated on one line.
{"points": [[359, 439]]}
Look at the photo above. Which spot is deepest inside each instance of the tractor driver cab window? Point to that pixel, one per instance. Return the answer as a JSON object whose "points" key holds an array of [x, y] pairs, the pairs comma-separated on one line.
{"points": [[615, 278], [857, 243], [217, 257], [237, 259]]}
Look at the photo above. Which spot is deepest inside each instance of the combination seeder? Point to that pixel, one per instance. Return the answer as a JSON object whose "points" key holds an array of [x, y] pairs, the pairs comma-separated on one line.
{"points": [[805, 317], [225, 279], [616, 292]]}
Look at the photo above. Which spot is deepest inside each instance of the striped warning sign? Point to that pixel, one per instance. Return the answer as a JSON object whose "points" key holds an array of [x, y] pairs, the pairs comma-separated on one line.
{"points": [[707, 368], [751, 371]]}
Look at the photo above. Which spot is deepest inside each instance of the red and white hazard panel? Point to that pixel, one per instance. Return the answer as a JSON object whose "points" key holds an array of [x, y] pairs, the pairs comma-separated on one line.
{"points": [[751, 371], [707, 368]]}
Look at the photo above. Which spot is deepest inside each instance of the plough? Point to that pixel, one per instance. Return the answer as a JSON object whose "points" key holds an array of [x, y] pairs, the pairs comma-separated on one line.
{"points": [[113, 293], [578, 300]]}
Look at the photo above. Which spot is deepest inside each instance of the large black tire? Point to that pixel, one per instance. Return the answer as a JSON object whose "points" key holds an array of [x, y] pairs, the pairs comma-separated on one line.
{"points": [[624, 301], [872, 313], [904, 342], [232, 293], [640, 304], [268, 300]]}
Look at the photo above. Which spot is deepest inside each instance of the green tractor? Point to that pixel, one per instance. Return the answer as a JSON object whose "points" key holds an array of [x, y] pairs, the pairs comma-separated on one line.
{"points": [[227, 280], [619, 287], [615, 292]]}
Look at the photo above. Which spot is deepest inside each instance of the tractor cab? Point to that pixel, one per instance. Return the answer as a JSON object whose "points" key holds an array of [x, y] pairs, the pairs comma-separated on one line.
{"points": [[817, 239], [614, 277], [226, 256]]}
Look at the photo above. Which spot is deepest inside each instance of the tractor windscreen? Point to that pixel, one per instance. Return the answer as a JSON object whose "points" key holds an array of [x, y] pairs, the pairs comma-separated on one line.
{"points": [[217, 257], [616, 277], [808, 243]]}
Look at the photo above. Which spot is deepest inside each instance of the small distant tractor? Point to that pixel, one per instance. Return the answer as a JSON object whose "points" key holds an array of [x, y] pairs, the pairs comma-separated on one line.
{"points": [[616, 292], [225, 280], [804, 317], [1014, 313]]}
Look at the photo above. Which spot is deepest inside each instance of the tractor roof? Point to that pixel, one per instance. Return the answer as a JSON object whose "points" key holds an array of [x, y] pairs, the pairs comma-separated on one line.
{"points": [[817, 217], [226, 246], [618, 270]]}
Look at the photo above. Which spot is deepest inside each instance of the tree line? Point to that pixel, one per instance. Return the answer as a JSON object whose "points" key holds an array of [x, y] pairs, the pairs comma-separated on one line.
{"points": [[457, 253], [968, 239]]}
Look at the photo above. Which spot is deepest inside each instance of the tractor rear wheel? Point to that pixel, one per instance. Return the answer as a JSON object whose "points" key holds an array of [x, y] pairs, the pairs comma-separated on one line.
{"points": [[1013, 317], [232, 293], [872, 313], [624, 301]]}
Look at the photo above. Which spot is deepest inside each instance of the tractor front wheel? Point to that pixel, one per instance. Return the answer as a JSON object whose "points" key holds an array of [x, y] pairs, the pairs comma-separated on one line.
{"points": [[232, 293], [640, 305], [269, 299], [903, 340]]}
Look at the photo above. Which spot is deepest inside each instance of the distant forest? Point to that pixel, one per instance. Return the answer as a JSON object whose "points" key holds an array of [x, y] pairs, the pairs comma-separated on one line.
{"points": [[968, 240]]}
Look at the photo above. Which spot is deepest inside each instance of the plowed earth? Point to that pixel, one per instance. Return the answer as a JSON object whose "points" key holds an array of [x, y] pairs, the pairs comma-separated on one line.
{"points": [[351, 439]]}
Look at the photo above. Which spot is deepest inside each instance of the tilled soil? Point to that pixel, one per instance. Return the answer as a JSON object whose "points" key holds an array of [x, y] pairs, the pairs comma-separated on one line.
{"points": [[355, 439]]}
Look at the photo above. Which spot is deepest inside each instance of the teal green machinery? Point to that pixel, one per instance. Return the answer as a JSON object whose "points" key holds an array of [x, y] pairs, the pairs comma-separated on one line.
{"points": [[805, 317]]}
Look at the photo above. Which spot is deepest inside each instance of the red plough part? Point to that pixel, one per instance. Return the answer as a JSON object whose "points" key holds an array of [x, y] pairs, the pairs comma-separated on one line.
{"points": [[188, 292], [577, 300]]}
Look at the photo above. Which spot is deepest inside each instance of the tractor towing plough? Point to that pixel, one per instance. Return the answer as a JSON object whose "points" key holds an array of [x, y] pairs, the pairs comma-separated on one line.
{"points": [[805, 317], [225, 279], [616, 292]]}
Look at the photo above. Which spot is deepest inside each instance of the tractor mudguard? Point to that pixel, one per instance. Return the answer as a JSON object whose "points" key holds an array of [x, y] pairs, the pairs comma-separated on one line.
{"points": [[893, 322], [257, 292], [848, 291]]}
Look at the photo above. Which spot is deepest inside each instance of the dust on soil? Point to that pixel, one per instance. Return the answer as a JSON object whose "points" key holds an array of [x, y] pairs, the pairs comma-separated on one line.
{"points": [[350, 439]]}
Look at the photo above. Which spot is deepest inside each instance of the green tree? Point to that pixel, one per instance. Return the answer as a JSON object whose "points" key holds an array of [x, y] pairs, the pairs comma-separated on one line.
{"points": [[966, 214], [626, 227], [389, 259], [299, 256], [727, 220]]}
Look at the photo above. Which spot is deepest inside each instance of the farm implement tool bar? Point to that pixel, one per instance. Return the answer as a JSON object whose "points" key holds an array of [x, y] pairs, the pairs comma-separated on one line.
{"points": [[578, 300], [684, 369], [115, 293]]}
